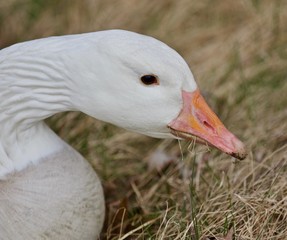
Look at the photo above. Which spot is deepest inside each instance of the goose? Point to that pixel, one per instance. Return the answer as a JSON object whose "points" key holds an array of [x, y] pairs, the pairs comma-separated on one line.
{"points": [[47, 189]]}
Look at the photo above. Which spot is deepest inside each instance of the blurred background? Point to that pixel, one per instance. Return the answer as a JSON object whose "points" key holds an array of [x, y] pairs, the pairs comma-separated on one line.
{"points": [[158, 189]]}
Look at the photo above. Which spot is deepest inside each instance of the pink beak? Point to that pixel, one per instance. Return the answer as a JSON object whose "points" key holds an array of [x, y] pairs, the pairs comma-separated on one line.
{"points": [[197, 119]]}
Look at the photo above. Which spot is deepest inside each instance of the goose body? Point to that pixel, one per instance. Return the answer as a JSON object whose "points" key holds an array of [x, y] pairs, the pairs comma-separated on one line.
{"points": [[47, 189], [59, 198]]}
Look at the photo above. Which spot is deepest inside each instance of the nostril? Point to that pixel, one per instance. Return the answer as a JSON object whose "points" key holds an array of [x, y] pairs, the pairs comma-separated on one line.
{"points": [[207, 125], [204, 121]]}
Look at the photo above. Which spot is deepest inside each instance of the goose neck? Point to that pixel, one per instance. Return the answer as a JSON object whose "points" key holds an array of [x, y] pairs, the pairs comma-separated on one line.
{"points": [[31, 90]]}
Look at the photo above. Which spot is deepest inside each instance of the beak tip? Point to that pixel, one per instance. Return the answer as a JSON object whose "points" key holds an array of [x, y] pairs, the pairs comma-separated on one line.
{"points": [[241, 155], [240, 150]]}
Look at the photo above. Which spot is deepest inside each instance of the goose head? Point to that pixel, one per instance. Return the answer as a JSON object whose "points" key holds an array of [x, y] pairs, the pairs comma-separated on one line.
{"points": [[141, 84]]}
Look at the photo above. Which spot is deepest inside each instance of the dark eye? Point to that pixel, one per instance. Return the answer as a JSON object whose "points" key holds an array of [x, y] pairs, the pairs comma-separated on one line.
{"points": [[149, 80]]}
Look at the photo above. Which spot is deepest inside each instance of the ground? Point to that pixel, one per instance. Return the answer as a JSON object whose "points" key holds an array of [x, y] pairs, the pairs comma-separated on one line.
{"points": [[237, 51]]}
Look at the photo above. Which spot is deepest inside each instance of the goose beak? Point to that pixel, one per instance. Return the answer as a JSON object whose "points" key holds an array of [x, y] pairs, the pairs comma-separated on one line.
{"points": [[196, 119]]}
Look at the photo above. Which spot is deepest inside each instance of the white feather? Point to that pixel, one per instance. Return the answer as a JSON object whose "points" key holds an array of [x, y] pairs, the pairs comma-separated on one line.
{"points": [[45, 184]]}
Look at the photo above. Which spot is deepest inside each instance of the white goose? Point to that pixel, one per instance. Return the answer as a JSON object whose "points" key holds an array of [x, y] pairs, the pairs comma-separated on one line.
{"points": [[47, 189]]}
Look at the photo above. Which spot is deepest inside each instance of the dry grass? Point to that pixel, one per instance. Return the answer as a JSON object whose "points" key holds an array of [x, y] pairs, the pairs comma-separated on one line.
{"points": [[238, 52]]}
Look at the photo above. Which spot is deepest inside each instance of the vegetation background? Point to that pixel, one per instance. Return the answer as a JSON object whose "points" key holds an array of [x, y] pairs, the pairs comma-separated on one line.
{"points": [[237, 51]]}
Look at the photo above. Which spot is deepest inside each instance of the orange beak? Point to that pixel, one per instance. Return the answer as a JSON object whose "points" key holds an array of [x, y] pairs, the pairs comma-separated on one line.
{"points": [[197, 119]]}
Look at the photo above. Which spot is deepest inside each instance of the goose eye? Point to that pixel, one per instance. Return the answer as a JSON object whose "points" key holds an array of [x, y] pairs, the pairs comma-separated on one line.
{"points": [[149, 80]]}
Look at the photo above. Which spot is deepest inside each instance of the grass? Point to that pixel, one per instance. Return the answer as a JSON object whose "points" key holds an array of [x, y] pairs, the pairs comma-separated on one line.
{"points": [[238, 51]]}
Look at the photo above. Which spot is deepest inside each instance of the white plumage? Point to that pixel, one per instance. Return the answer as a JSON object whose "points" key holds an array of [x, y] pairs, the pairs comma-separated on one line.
{"points": [[48, 191]]}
